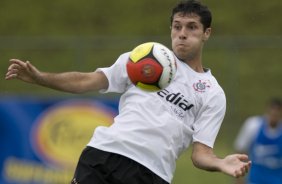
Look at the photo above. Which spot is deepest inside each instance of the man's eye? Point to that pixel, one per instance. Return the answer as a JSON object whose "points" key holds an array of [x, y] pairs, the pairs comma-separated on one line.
{"points": [[177, 27], [192, 27]]}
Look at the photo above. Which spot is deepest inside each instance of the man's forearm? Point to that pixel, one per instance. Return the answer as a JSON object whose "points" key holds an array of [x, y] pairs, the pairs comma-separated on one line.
{"points": [[236, 165], [68, 82], [206, 161]]}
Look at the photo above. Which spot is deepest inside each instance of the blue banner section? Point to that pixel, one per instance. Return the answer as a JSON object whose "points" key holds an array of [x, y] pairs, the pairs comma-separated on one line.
{"points": [[42, 138]]}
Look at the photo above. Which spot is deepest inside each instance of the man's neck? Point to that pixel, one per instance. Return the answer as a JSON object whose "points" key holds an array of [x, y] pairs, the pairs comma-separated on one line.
{"points": [[196, 65]]}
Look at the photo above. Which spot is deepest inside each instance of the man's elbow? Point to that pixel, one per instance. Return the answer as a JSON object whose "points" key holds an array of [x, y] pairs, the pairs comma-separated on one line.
{"points": [[196, 161]]}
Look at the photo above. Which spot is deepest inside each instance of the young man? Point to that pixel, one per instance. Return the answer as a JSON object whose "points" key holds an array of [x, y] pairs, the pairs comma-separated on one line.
{"points": [[261, 137], [151, 130]]}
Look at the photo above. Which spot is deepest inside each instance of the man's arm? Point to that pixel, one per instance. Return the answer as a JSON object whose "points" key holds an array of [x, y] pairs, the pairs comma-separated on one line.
{"points": [[236, 165], [73, 82]]}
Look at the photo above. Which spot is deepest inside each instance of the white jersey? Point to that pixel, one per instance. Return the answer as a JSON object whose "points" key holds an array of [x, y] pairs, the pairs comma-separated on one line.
{"points": [[154, 128]]}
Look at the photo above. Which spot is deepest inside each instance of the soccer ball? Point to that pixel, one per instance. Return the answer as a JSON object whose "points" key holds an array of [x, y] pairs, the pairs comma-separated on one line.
{"points": [[151, 66]]}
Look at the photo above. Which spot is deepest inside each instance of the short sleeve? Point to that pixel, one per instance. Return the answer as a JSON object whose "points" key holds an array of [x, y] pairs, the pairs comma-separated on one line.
{"points": [[209, 119], [116, 75]]}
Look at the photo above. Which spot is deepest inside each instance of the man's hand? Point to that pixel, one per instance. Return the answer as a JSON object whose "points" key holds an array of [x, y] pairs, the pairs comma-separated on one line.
{"points": [[236, 165], [24, 71]]}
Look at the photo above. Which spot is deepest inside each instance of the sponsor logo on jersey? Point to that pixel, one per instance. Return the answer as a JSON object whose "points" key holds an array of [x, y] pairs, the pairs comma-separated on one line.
{"points": [[202, 86], [176, 99]]}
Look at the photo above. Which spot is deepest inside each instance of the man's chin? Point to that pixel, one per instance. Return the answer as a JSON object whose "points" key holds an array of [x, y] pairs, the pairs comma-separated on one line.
{"points": [[180, 57]]}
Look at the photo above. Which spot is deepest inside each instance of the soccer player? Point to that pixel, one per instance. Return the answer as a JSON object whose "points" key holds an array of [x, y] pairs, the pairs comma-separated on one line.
{"points": [[261, 137], [152, 129]]}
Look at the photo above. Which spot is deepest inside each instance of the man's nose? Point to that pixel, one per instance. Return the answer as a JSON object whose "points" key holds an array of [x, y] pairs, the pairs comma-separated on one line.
{"points": [[182, 34]]}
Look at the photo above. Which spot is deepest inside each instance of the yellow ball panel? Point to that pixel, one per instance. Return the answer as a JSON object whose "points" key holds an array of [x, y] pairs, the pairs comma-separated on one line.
{"points": [[141, 51], [147, 87]]}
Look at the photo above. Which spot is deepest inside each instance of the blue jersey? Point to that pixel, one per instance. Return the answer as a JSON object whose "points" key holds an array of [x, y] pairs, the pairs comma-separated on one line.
{"points": [[266, 156]]}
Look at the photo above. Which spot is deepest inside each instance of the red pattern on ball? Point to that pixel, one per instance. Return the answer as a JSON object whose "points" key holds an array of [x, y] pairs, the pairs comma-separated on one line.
{"points": [[147, 71]]}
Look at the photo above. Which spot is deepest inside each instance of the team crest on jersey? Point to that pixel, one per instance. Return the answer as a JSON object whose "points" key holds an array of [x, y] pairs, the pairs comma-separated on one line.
{"points": [[202, 86]]}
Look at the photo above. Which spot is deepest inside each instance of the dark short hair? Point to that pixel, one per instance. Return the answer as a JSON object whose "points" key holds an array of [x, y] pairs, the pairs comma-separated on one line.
{"points": [[193, 7], [275, 103]]}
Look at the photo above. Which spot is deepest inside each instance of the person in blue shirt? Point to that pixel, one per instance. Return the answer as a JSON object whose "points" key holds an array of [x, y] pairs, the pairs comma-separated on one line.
{"points": [[261, 138]]}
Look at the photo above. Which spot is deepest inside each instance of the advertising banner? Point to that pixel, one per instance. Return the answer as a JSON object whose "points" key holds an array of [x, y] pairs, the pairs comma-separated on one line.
{"points": [[42, 139]]}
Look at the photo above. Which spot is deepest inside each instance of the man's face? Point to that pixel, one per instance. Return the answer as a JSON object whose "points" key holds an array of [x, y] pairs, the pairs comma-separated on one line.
{"points": [[188, 36]]}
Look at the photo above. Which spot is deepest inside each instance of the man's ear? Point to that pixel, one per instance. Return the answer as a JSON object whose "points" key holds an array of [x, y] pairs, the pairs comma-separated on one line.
{"points": [[207, 34]]}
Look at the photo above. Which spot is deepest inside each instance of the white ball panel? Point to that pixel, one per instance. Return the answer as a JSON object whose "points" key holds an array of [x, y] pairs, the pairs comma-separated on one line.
{"points": [[162, 54], [167, 76], [166, 58]]}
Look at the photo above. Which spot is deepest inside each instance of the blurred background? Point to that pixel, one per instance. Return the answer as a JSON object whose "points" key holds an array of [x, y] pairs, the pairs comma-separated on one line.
{"points": [[43, 131]]}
